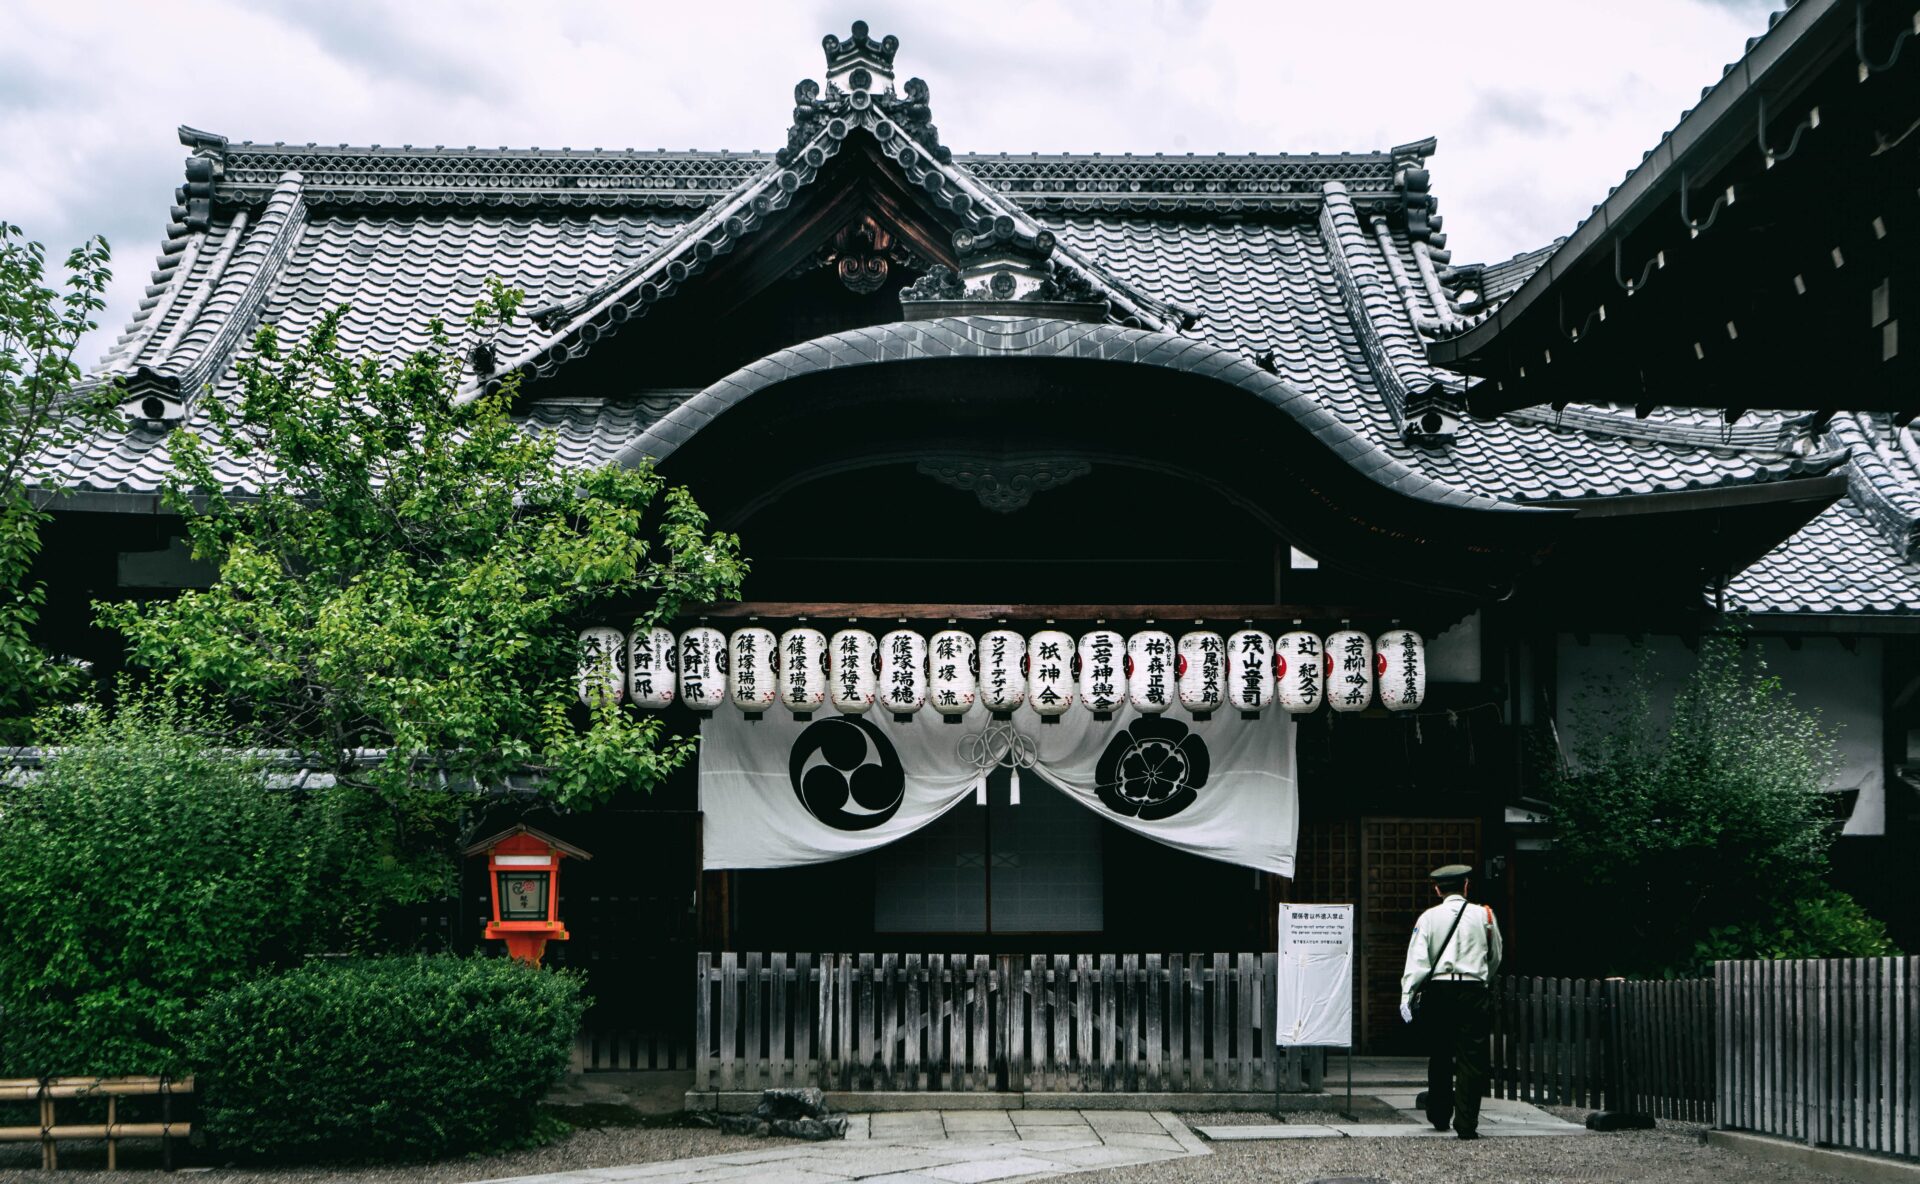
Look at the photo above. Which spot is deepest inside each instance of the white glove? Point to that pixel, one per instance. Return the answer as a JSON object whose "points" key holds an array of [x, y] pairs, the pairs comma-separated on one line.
{"points": [[1406, 1014]]}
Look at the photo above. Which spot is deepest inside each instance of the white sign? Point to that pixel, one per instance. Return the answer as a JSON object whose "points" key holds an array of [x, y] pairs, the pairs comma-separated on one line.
{"points": [[1316, 976]]}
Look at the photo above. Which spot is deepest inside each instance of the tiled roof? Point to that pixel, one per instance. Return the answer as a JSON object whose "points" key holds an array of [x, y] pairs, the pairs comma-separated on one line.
{"points": [[1838, 563], [1301, 264]]}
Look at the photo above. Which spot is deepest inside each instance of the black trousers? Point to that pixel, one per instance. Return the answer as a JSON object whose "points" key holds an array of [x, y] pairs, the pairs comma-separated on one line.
{"points": [[1456, 1018]]}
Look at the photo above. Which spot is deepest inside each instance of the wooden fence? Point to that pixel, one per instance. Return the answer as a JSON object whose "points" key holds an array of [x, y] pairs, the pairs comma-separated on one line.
{"points": [[50, 1131], [1183, 1022], [603, 1047], [1823, 1051], [1636, 1047]]}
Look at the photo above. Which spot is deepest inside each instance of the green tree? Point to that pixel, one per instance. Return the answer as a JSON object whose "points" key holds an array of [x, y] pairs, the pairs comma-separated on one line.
{"points": [[43, 406], [1701, 833], [411, 581], [147, 865]]}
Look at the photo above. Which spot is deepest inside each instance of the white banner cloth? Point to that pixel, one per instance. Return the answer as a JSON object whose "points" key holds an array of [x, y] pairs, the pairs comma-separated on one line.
{"points": [[1315, 990], [775, 792]]}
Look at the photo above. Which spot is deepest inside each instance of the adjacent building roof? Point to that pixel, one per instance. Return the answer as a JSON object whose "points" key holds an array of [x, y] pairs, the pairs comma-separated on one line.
{"points": [[1326, 270]]}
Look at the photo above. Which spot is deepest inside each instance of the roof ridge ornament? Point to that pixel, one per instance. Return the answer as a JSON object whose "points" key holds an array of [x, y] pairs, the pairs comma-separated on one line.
{"points": [[860, 79], [860, 61], [1004, 271]]}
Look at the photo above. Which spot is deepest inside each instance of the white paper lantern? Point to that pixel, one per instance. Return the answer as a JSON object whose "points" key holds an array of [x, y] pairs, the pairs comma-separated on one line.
{"points": [[1201, 671], [953, 666], [1299, 672], [603, 665], [803, 671], [1400, 663], [1050, 674], [1349, 668], [703, 669], [854, 671], [903, 673], [1150, 671], [1003, 670], [1250, 671], [651, 663], [755, 661], [1103, 678]]}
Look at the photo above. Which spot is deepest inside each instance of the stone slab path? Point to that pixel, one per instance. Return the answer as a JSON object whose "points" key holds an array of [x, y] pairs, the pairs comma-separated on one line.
{"points": [[1499, 1118], [930, 1147]]}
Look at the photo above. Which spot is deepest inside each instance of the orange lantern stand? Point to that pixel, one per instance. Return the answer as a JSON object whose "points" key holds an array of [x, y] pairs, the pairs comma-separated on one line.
{"points": [[523, 871]]}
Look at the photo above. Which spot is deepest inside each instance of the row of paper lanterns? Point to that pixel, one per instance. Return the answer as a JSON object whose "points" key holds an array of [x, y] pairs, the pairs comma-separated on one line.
{"points": [[804, 669]]}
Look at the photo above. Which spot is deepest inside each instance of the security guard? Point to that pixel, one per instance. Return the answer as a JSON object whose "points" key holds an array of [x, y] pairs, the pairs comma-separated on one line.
{"points": [[1454, 953]]}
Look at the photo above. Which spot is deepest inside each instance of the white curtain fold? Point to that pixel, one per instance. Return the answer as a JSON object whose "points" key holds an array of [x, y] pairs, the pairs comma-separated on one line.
{"points": [[776, 792]]}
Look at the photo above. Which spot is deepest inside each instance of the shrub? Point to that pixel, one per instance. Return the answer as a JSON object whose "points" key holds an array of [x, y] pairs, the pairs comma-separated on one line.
{"points": [[145, 869], [384, 1058], [1702, 833]]}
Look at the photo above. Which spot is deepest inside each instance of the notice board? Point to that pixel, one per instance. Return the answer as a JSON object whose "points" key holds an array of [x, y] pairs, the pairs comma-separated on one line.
{"points": [[1316, 976]]}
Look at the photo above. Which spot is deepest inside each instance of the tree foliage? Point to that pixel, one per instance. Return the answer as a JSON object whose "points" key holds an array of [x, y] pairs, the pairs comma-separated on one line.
{"points": [[411, 578], [42, 407], [146, 866], [1703, 832]]}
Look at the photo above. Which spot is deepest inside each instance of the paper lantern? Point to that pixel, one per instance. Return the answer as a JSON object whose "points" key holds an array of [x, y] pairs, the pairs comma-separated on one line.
{"points": [[854, 671], [1150, 676], [651, 663], [1103, 681], [1200, 672], [1003, 671], [603, 665], [903, 673], [1050, 672], [1349, 666], [803, 671], [755, 659], [953, 667], [703, 669], [1400, 663], [1299, 676], [1250, 672]]}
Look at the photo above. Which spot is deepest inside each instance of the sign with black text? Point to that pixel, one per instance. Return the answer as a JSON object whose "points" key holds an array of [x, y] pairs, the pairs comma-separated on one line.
{"points": [[1316, 976]]}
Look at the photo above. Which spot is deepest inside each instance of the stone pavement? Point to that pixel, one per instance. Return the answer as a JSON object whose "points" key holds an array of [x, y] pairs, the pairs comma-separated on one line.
{"points": [[930, 1147], [1499, 1118]]}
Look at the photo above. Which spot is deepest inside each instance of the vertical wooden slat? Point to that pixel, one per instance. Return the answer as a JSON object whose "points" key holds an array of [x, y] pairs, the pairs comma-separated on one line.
{"points": [[703, 1050], [1060, 1014], [888, 1058], [1265, 1017], [805, 998], [752, 1062], [1107, 1032], [1129, 1006], [1039, 1031], [939, 1023], [1884, 1046], [1220, 978], [1199, 1075], [729, 1017], [846, 990], [1176, 1022], [1243, 1026], [777, 1024], [1155, 1011]]}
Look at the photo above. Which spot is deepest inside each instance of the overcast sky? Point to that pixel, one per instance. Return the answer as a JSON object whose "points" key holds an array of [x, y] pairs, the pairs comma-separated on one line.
{"points": [[1539, 105]]}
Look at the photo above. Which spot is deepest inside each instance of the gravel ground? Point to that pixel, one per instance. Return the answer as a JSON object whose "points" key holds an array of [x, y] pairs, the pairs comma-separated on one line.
{"points": [[1365, 1109], [1673, 1154], [602, 1148]]}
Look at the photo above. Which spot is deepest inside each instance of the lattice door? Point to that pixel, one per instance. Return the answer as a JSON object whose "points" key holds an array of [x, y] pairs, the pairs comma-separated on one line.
{"points": [[1395, 856]]}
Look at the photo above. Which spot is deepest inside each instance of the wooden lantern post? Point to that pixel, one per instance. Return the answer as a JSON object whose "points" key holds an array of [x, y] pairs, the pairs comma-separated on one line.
{"points": [[523, 874]]}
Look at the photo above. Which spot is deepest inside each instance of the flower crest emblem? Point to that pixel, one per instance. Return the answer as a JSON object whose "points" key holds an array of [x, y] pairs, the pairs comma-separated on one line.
{"points": [[1152, 770]]}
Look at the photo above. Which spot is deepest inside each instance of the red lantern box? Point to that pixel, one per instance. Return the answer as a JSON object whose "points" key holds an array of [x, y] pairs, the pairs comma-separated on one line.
{"points": [[523, 872]]}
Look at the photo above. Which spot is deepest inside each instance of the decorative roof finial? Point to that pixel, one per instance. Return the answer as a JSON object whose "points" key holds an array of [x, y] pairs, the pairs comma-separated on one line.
{"points": [[1004, 271], [860, 62]]}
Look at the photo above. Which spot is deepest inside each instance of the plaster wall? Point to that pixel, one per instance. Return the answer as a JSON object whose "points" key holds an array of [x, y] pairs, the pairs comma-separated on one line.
{"points": [[1844, 686]]}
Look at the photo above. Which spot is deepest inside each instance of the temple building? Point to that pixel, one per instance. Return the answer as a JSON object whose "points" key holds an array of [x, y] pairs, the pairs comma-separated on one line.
{"points": [[1199, 424]]}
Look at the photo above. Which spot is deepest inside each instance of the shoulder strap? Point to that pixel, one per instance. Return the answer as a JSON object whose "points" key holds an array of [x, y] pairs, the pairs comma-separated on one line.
{"points": [[1451, 930]]}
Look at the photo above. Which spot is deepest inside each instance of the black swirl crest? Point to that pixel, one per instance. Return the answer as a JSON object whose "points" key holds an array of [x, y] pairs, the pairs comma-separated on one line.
{"points": [[846, 773]]}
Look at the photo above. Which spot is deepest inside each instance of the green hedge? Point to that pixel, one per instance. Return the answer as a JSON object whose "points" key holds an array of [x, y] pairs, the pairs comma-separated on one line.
{"points": [[145, 869], [384, 1058]]}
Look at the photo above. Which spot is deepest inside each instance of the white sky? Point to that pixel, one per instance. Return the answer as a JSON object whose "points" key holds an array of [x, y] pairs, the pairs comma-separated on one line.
{"points": [[1539, 105]]}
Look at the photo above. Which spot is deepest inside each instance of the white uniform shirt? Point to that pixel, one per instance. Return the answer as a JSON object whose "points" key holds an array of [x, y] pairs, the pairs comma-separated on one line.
{"points": [[1473, 953]]}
